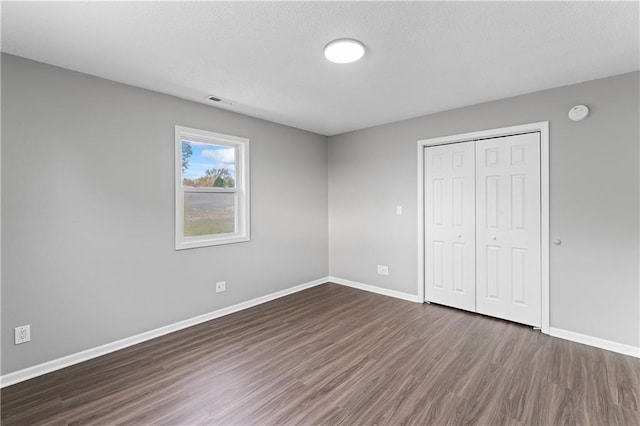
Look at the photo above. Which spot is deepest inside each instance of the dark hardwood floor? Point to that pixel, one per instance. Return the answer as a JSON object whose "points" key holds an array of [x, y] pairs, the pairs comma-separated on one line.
{"points": [[336, 355]]}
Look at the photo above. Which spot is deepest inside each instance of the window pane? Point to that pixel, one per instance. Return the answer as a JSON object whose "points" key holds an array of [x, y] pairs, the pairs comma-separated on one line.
{"points": [[208, 165], [207, 213]]}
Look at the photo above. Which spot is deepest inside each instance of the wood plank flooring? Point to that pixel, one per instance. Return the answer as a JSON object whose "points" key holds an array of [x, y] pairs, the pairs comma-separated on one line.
{"points": [[336, 355]]}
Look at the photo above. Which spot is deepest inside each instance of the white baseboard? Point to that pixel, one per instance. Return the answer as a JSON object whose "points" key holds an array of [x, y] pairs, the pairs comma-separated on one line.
{"points": [[375, 289], [66, 361], [620, 348]]}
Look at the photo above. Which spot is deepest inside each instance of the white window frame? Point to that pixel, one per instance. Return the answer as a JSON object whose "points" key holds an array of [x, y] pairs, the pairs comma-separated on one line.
{"points": [[241, 190]]}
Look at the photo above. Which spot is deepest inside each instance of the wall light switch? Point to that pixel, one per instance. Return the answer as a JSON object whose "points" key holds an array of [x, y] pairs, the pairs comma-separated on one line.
{"points": [[399, 210]]}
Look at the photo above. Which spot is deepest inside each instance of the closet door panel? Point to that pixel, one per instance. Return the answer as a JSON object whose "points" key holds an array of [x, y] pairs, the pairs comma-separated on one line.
{"points": [[450, 225], [508, 228]]}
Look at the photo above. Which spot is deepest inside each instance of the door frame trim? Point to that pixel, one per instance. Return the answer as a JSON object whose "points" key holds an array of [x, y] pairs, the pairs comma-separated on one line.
{"points": [[543, 128]]}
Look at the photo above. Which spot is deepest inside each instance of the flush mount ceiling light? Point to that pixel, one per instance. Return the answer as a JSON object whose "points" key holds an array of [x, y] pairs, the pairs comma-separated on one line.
{"points": [[344, 51]]}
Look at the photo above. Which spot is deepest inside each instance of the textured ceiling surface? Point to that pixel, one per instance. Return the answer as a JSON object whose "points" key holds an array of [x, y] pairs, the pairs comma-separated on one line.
{"points": [[266, 57]]}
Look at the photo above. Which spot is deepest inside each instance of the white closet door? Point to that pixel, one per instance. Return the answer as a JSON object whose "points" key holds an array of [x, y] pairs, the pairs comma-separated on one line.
{"points": [[449, 225], [508, 228]]}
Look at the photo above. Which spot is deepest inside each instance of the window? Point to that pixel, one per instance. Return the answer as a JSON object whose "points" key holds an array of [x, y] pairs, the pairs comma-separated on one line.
{"points": [[212, 188]]}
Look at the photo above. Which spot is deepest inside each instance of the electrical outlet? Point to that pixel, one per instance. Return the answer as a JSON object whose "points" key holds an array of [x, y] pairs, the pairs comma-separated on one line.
{"points": [[383, 270], [22, 334], [221, 286]]}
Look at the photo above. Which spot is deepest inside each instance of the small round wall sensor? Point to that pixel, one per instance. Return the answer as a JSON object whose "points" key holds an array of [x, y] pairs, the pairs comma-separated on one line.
{"points": [[578, 112]]}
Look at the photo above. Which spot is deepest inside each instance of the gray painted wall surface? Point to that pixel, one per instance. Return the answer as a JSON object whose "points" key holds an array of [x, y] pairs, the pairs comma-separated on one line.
{"points": [[594, 200], [88, 212], [87, 208]]}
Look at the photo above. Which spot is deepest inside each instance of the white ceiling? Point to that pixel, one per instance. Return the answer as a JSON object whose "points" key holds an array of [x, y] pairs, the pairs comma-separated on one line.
{"points": [[266, 57]]}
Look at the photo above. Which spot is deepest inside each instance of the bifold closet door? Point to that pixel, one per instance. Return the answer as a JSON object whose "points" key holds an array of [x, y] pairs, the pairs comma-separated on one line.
{"points": [[508, 228], [449, 225]]}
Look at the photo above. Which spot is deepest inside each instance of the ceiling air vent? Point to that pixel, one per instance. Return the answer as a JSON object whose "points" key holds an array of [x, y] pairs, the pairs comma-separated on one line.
{"points": [[218, 100]]}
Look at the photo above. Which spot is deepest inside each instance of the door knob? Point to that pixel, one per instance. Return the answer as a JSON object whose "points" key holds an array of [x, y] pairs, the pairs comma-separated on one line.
{"points": [[557, 242], [459, 235], [494, 238]]}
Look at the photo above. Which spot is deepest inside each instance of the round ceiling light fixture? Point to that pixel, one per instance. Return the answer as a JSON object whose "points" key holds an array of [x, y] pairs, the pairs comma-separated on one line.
{"points": [[344, 51]]}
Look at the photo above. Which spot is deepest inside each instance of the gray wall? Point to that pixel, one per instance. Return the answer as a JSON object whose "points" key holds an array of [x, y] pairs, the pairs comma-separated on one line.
{"points": [[594, 200], [88, 212], [88, 218]]}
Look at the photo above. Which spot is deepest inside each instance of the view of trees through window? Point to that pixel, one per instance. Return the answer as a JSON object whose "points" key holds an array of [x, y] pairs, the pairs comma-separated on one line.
{"points": [[207, 165]]}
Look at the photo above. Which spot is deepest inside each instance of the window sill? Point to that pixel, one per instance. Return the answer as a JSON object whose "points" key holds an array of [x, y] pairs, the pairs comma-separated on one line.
{"points": [[189, 243]]}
